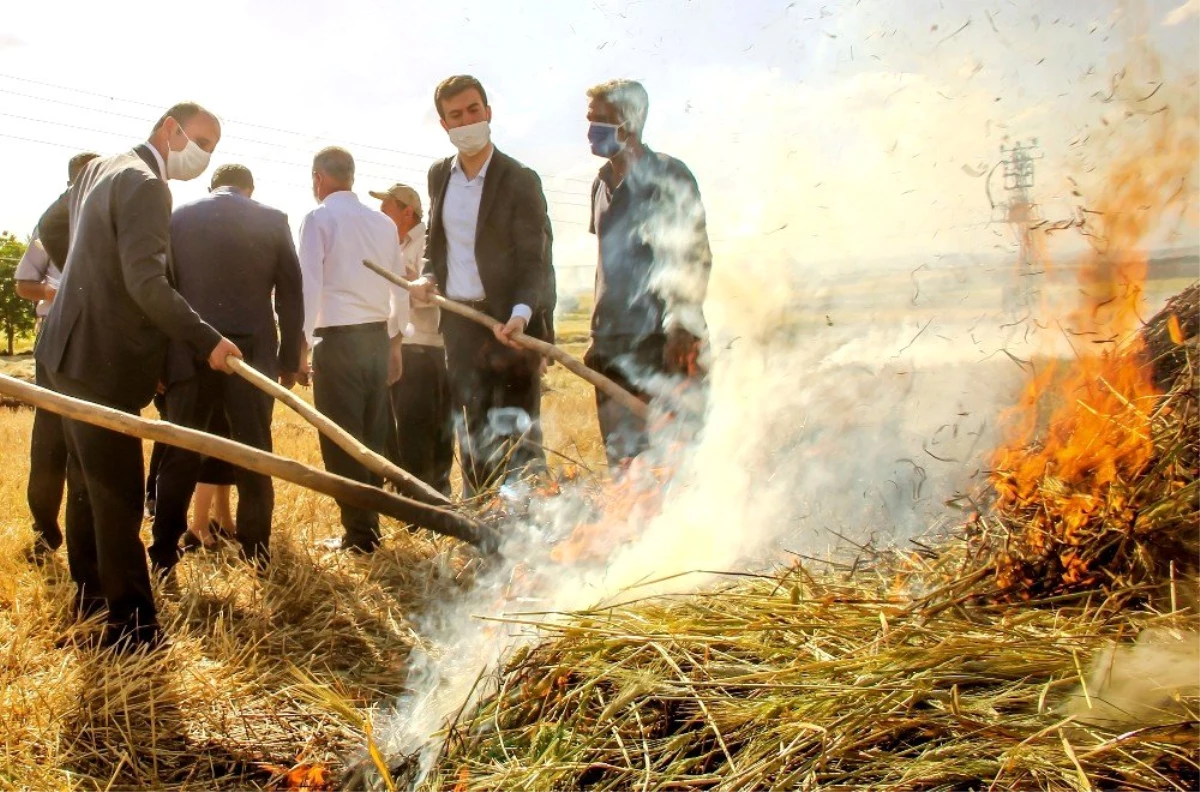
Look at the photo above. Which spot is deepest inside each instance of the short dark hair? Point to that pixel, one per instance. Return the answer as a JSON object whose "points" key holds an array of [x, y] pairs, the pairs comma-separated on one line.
{"points": [[336, 163], [232, 175], [77, 163], [630, 99], [453, 86], [183, 112]]}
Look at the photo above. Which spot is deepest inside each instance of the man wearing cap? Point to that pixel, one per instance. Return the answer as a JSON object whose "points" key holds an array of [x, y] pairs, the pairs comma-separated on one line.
{"points": [[421, 440], [37, 278], [236, 264]]}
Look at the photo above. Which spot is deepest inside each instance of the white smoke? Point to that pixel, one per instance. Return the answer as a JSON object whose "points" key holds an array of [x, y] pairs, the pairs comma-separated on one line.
{"points": [[814, 431], [847, 400]]}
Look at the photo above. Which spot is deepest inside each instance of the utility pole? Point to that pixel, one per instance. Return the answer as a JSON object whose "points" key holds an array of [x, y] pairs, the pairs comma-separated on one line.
{"points": [[1020, 212]]}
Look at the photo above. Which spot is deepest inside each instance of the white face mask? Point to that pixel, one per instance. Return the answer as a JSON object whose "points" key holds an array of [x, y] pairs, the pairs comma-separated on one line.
{"points": [[472, 138], [187, 164]]}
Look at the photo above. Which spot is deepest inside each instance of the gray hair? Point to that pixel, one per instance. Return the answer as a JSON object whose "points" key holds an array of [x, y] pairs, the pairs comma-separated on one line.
{"points": [[630, 99], [336, 163]]}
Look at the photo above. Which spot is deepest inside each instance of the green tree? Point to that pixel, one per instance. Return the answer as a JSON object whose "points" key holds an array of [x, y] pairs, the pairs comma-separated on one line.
{"points": [[17, 315]]}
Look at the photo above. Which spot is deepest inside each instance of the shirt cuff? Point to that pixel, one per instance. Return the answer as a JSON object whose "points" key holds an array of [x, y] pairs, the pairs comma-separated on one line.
{"points": [[522, 310]]}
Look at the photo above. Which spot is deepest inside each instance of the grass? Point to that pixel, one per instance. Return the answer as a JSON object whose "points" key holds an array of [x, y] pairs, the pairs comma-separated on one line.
{"points": [[262, 676]]}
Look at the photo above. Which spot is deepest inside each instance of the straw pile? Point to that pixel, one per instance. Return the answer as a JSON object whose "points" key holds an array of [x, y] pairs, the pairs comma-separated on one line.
{"points": [[796, 682], [1114, 505]]}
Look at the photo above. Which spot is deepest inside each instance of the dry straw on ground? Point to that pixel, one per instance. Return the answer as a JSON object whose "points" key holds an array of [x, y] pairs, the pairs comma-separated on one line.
{"points": [[839, 681]]}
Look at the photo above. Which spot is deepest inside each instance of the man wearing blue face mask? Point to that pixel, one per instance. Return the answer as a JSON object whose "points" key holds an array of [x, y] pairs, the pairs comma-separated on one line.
{"points": [[653, 266], [105, 341]]}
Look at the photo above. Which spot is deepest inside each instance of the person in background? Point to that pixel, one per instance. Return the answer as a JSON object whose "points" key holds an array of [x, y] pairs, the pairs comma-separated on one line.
{"points": [[653, 266], [359, 320], [422, 440], [37, 278], [105, 341], [488, 247], [236, 264]]}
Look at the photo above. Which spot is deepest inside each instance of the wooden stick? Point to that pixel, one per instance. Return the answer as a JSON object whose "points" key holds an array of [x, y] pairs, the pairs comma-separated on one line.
{"points": [[572, 364], [443, 521], [407, 483]]}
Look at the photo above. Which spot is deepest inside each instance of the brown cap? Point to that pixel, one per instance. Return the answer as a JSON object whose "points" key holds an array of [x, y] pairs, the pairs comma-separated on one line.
{"points": [[402, 193]]}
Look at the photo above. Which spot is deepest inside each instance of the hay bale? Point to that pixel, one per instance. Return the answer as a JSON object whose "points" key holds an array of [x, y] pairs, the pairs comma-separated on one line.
{"points": [[1171, 338]]}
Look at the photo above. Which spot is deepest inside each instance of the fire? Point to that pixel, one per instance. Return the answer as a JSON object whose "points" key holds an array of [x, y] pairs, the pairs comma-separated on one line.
{"points": [[1081, 433], [629, 502], [302, 776]]}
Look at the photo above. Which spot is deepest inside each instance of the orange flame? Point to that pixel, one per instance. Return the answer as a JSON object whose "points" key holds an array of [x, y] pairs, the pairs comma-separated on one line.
{"points": [[1082, 431]]}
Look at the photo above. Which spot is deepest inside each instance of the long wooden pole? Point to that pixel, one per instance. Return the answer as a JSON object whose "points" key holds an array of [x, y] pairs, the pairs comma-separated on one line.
{"points": [[443, 521], [572, 364], [407, 483]]}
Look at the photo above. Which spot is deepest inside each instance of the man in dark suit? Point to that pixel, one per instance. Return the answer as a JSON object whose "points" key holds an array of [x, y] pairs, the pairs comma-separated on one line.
{"points": [[230, 255], [105, 341], [488, 247], [37, 279]]}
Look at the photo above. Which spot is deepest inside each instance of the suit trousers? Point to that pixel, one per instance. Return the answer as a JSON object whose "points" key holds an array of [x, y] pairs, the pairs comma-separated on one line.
{"points": [[421, 439], [350, 388], [47, 471], [104, 518], [495, 392], [626, 360], [194, 403], [156, 452]]}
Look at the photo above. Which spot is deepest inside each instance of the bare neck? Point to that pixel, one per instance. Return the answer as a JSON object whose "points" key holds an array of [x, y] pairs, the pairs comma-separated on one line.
{"points": [[625, 160]]}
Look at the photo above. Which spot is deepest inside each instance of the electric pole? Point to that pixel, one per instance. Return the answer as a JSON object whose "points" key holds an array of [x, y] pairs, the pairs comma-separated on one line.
{"points": [[1020, 212]]}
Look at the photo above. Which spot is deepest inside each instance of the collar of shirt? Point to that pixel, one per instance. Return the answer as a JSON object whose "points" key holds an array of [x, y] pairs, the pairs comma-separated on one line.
{"points": [[162, 165], [417, 232], [457, 166], [341, 197]]}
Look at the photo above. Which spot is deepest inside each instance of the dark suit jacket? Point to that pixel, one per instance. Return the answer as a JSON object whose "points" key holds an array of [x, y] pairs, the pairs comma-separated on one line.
{"points": [[115, 309], [230, 254], [512, 240], [54, 229]]}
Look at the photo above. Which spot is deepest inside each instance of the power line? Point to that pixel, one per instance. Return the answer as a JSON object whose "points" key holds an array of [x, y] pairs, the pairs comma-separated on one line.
{"points": [[238, 155], [556, 220], [143, 119], [234, 137]]}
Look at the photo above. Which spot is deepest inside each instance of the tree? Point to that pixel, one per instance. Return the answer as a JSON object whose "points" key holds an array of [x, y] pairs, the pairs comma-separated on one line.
{"points": [[17, 315]]}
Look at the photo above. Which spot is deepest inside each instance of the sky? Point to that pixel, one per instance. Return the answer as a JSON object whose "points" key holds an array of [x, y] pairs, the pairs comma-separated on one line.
{"points": [[820, 133]]}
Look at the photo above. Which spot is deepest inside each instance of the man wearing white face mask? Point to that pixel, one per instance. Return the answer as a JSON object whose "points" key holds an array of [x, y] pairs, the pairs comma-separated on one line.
{"points": [[488, 246], [105, 341]]}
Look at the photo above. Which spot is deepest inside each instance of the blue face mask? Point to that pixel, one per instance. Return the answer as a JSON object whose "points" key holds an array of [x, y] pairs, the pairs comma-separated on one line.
{"points": [[603, 138]]}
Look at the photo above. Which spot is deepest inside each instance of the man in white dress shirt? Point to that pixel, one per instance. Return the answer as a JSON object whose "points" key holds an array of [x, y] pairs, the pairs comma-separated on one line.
{"points": [[489, 247], [354, 323]]}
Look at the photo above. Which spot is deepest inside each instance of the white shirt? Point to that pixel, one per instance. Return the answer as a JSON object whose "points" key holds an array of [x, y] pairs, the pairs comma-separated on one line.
{"points": [[460, 218], [162, 164], [338, 290], [37, 267], [424, 314]]}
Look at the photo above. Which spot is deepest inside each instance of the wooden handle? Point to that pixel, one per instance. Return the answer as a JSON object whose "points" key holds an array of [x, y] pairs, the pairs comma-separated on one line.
{"points": [[572, 364], [407, 483], [443, 521]]}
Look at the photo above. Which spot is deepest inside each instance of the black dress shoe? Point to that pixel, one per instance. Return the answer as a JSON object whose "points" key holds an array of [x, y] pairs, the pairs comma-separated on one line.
{"points": [[340, 543]]}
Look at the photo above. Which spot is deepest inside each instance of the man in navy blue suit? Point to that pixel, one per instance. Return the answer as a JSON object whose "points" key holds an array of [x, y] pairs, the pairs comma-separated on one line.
{"points": [[236, 264]]}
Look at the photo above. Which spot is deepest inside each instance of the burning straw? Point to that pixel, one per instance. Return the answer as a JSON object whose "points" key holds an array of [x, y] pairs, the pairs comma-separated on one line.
{"points": [[836, 681]]}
